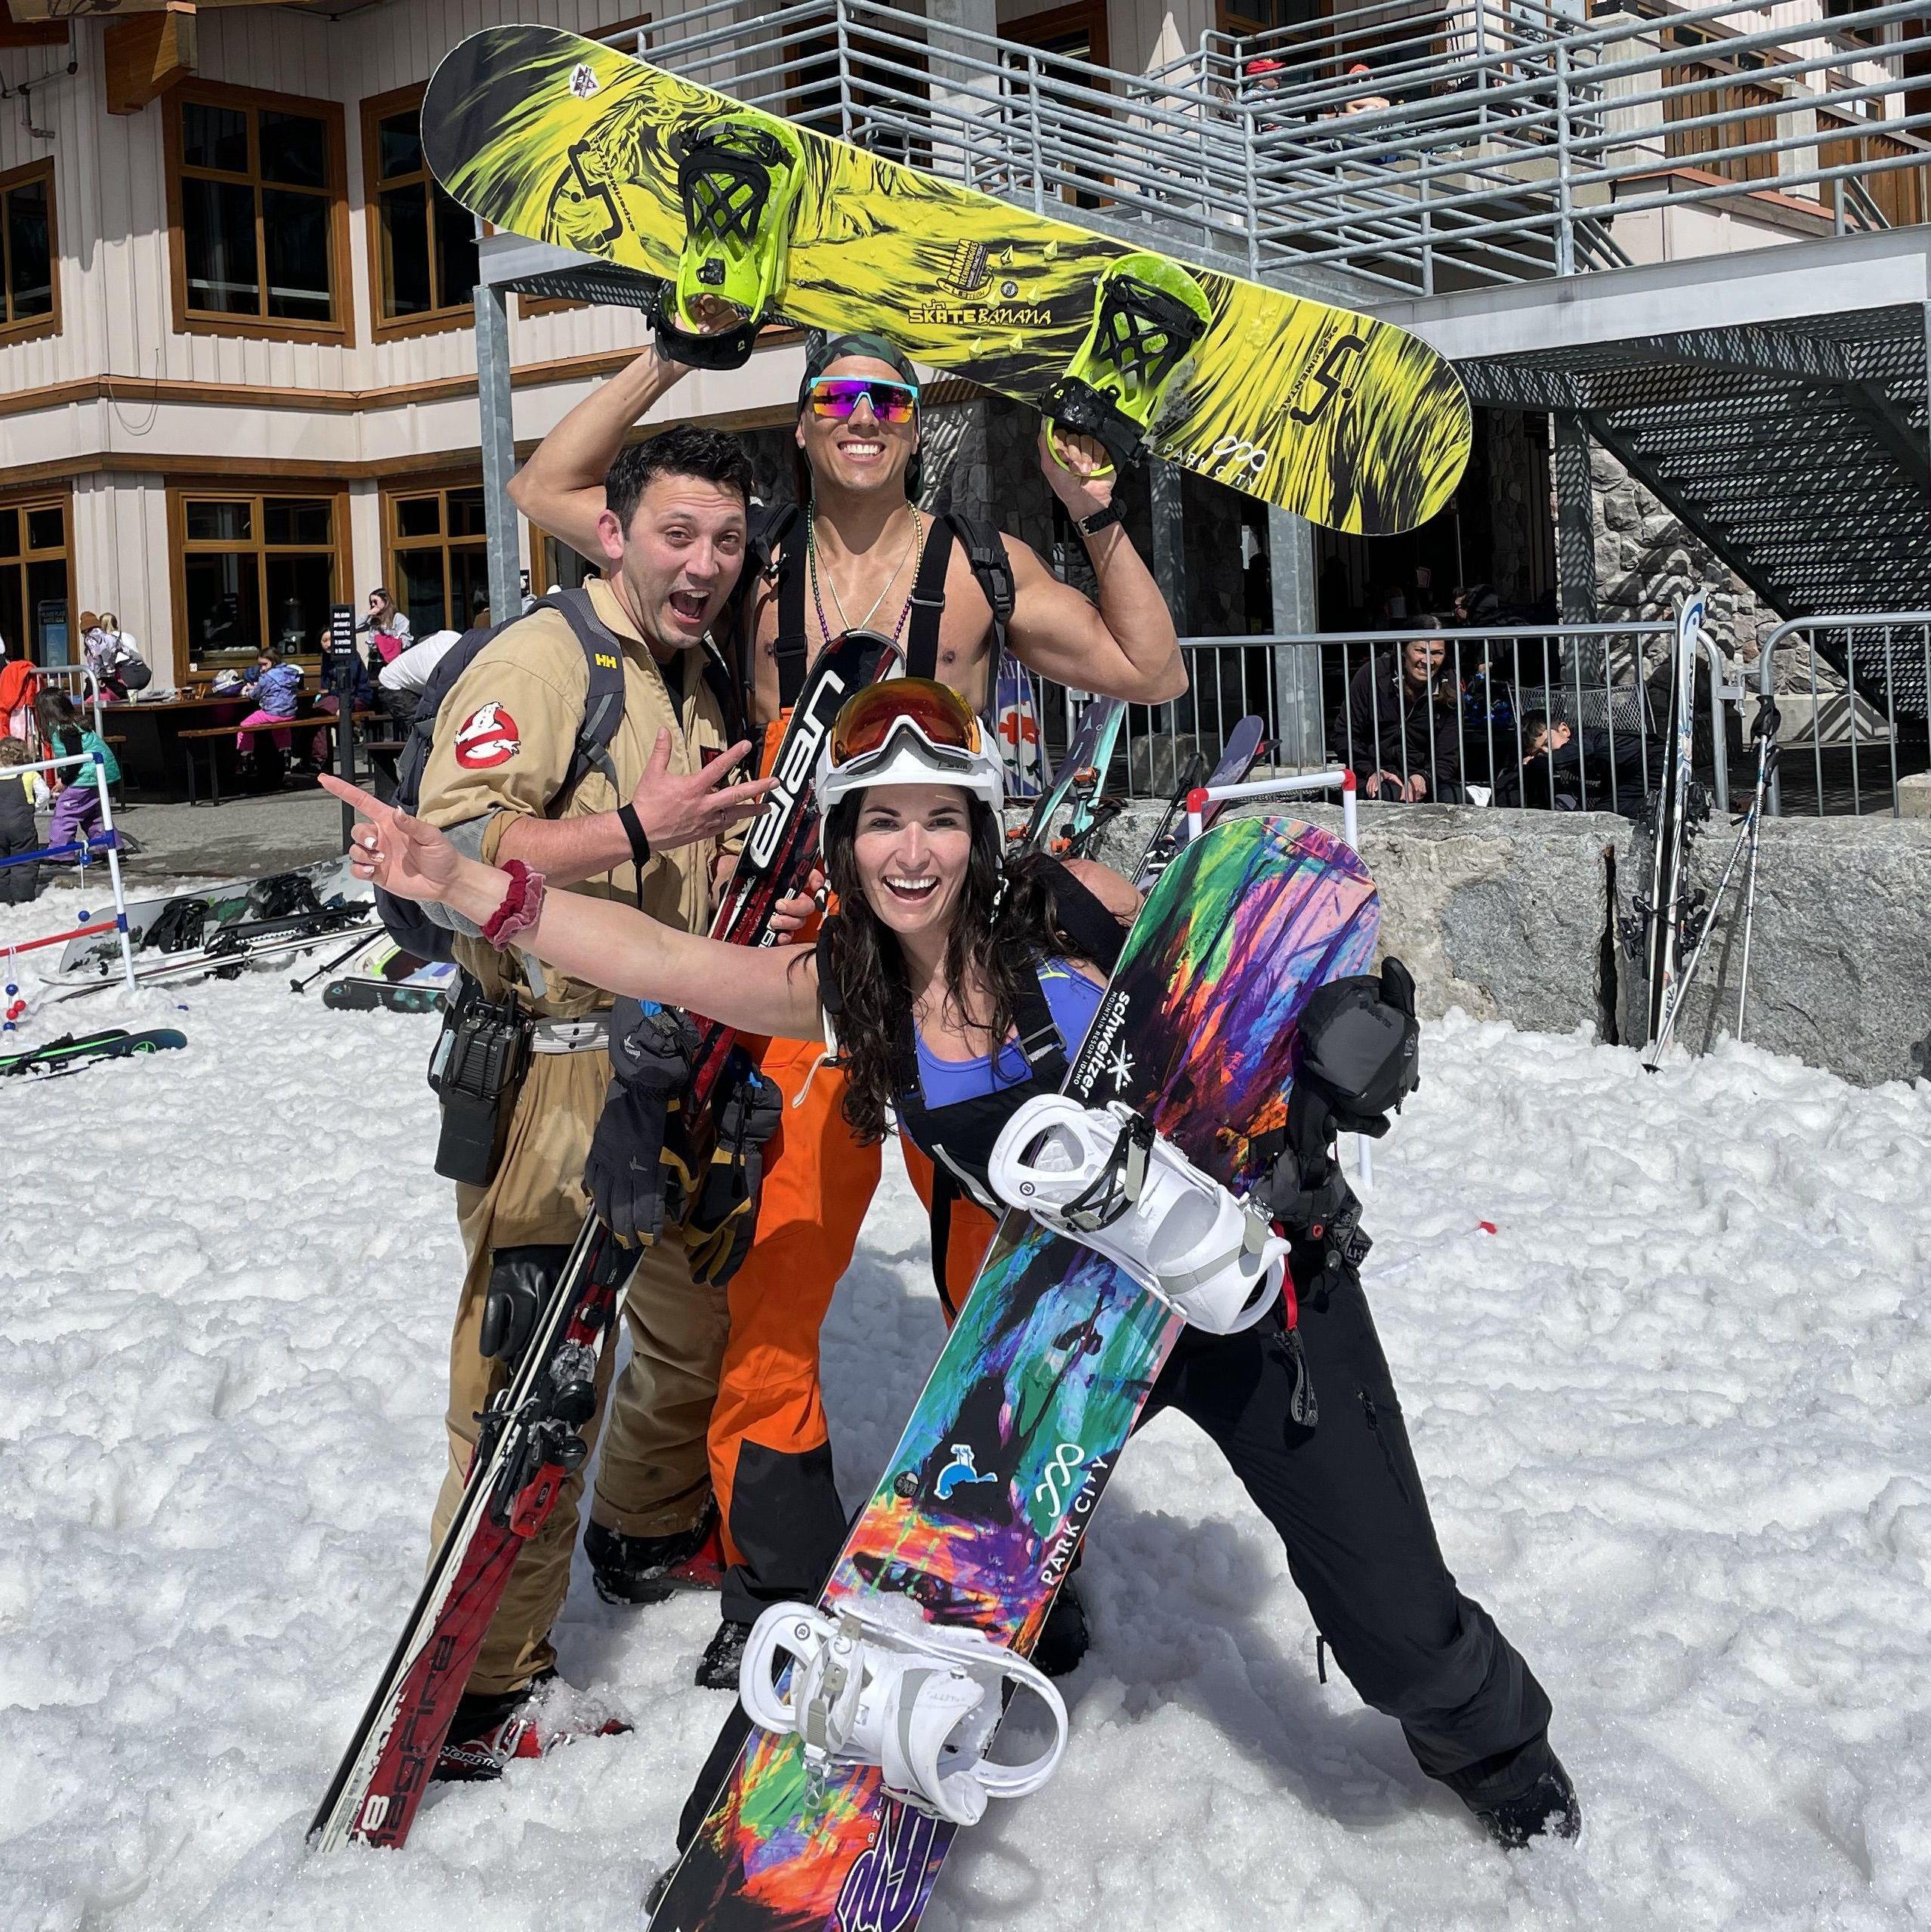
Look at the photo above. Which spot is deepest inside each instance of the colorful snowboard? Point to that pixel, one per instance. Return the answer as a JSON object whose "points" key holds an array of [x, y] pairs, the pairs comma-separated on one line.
{"points": [[69, 1054], [1345, 420], [1052, 1357]]}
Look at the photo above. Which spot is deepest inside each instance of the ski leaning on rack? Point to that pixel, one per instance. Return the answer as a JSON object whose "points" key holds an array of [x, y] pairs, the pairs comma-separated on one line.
{"points": [[70, 1053], [1055, 1352], [1241, 753], [1076, 785], [529, 1439], [1680, 808], [1342, 418], [1742, 850]]}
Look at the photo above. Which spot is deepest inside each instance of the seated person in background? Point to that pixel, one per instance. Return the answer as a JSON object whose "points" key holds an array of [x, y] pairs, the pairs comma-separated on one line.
{"points": [[363, 695], [21, 793], [1562, 771], [388, 628], [112, 658], [1400, 736], [276, 689], [402, 678]]}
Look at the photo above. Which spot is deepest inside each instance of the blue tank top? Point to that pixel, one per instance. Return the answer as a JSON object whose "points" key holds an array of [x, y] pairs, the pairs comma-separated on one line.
{"points": [[1072, 999]]}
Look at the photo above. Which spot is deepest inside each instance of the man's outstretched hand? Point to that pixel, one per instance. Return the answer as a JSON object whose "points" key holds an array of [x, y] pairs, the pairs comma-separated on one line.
{"points": [[401, 854], [679, 808]]}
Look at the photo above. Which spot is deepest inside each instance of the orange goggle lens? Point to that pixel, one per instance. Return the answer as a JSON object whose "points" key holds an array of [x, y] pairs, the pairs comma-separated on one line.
{"points": [[867, 720]]}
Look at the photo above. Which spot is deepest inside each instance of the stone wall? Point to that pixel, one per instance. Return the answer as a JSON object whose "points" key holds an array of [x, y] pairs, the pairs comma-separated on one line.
{"points": [[1646, 558], [1513, 916]]}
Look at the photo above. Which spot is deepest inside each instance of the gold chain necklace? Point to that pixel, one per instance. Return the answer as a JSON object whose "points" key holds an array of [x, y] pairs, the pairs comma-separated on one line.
{"points": [[914, 542]]}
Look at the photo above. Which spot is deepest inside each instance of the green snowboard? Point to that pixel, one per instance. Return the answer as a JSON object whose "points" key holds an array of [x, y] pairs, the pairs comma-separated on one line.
{"points": [[1343, 420]]}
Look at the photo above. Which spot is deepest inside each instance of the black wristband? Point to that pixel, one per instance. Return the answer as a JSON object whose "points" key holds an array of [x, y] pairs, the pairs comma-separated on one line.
{"points": [[633, 831], [1103, 518]]}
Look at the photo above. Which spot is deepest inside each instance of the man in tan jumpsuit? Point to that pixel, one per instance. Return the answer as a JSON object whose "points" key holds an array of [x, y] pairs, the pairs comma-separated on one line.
{"points": [[673, 534]]}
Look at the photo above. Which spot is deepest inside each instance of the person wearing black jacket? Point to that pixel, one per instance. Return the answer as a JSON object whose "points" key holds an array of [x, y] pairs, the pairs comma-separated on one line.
{"points": [[1400, 737]]}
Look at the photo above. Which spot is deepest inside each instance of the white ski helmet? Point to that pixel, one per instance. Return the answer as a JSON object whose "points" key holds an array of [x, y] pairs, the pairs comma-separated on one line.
{"points": [[908, 731]]}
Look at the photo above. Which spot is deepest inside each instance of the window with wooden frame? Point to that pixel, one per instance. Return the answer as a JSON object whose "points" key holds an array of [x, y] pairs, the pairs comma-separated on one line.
{"points": [[422, 269], [36, 579], [258, 214], [254, 568], [439, 555], [29, 253]]}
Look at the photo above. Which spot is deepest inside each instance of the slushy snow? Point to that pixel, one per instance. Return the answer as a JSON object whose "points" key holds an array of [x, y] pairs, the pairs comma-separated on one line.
{"points": [[1674, 1415]]}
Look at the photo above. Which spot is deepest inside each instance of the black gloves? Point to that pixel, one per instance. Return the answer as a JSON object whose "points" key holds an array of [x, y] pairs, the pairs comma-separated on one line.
{"points": [[625, 1174]]}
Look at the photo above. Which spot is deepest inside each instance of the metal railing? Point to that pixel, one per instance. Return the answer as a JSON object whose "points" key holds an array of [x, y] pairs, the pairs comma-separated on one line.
{"points": [[1869, 725], [1498, 140], [1560, 717], [80, 683]]}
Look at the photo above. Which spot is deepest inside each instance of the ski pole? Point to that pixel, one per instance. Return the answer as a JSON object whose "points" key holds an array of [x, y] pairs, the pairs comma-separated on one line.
{"points": [[340, 960]]}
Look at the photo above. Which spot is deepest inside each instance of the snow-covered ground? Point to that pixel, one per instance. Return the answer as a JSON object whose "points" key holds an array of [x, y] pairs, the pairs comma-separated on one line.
{"points": [[1674, 1414]]}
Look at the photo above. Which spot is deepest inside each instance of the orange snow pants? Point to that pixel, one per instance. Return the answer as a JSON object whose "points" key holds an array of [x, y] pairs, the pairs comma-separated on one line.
{"points": [[770, 1453]]}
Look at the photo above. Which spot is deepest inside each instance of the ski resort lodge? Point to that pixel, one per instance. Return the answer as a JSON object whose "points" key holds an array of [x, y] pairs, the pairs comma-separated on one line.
{"points": [[1674, 255]]}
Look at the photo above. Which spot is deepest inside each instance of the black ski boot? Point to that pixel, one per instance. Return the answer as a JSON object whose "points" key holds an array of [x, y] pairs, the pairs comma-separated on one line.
{"points": [[717, 1668], [647, 1569], [1549, 1808], [1064, 1636]]}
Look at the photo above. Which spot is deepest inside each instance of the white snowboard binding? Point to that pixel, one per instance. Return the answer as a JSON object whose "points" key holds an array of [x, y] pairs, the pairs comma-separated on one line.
{"points": [[1103, 1176], [920, 1701]]}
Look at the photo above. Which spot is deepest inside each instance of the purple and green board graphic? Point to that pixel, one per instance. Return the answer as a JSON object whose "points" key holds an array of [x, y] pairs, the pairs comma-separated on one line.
{"points": [[979, 1513]]}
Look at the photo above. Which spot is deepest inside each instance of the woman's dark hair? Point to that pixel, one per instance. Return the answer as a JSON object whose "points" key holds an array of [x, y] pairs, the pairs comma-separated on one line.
{"points": [[711, 455], [1005, 922]]}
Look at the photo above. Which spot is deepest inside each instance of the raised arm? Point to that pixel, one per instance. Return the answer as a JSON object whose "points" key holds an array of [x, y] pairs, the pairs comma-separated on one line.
{"points": [[1125, 648], [560, 489], [757, 990]]}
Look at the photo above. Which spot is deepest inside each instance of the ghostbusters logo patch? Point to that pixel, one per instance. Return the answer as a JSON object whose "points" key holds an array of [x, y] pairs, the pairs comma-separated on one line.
{"points": [[488, 738]]}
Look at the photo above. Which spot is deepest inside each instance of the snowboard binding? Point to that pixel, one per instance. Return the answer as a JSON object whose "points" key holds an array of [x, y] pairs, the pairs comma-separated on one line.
{"points": [[1148, 314], [739, 185], [1103, 1177], [920, 1701]]}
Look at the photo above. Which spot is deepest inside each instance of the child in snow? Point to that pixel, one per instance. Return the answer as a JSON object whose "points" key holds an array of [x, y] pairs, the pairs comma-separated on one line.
{"points": [[77, 797], [21, 793], [276, 689]]}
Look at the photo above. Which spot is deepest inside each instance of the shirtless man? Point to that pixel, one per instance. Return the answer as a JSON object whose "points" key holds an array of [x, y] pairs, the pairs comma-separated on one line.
{"points": [[849, 560]]}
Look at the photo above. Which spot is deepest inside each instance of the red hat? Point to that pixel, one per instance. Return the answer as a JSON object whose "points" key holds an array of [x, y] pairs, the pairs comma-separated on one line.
{"points": [[1261, 64]]}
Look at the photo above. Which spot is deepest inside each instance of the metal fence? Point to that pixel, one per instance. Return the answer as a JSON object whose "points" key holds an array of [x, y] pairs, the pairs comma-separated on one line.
{"points": [[1850, 739], [1560, 717], [1418, 146]]}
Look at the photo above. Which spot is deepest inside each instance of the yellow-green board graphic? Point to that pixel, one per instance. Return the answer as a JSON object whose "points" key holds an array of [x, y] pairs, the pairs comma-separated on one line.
{"points": [[1349, 422]]}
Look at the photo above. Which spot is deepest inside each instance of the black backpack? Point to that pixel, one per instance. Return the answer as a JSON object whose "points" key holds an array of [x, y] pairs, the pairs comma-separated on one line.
{"points": [[408, 924]]}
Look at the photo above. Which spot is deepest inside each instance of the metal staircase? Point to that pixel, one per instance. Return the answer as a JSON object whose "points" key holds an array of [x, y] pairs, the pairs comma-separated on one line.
{"points": [[1799, 452]]}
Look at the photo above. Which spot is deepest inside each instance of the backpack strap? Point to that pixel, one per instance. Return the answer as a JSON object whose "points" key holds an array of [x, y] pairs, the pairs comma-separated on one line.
{"points": [[992, 569], [602, 708], [1083, 917], [922, 629]]}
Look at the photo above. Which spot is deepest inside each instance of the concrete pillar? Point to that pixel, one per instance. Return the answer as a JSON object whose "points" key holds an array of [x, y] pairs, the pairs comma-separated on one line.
{"points": [[1290, 559], [952, 80], [1169, 550], [498, 438], [1575, 521]]}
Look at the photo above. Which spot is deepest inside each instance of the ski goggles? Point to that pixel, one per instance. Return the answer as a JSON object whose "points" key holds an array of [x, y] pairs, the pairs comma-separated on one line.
{"points": [[937, 712], [837, 395]]}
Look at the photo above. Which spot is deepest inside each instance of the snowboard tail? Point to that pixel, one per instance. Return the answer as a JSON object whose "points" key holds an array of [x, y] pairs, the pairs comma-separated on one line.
{"points": [[1334, 416], [980, 1511]]}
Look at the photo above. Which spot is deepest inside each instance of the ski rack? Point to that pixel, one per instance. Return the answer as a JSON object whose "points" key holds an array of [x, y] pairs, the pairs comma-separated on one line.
{"points": [[108, 844], [1335, 777]]}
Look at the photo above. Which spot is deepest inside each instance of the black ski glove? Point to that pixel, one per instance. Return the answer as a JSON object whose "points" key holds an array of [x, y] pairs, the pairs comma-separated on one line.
{"points": [[650, 1061], [1359, 1046]]}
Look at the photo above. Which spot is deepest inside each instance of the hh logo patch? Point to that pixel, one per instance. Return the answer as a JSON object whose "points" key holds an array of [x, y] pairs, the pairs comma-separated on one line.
{"points": [[488, 738]]}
